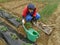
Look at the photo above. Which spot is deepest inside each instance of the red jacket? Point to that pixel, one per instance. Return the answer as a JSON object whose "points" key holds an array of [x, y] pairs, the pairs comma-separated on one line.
{"points": [[25, 11]]}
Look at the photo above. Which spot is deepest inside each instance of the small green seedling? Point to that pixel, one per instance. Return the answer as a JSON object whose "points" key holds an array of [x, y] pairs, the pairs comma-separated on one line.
{"points": [[28, 44], [18, 19], [39, 31], [14, 36], [3, 28], [28, 25]]}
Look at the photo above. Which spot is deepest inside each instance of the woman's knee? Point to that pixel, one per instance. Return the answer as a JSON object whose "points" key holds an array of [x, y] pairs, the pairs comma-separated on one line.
{"points": [[38, 16], [28, 18]]}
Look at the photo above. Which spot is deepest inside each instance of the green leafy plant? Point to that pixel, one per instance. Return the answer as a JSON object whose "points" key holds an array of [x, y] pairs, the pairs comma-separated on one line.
{"points": [[47, 11], [18, 19], [14, 36], [28, 25], [28, 44], [3, 28]]}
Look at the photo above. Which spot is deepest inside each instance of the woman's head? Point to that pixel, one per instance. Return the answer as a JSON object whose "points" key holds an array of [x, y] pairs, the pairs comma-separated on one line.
{"points": [[31, 7]]}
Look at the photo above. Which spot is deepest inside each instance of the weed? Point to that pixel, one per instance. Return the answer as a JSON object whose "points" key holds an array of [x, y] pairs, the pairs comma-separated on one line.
{"points": [[47, 11]]}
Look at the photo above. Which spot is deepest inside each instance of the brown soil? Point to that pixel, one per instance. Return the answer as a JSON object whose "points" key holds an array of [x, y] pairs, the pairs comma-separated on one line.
{"points": [[2, 42], [16, 7]]}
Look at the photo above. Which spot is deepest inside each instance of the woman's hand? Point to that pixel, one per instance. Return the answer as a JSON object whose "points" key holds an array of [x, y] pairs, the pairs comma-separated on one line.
{"points": [[23, 21]]}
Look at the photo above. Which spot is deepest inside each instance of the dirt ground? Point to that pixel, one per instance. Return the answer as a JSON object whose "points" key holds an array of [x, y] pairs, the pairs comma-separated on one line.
{"points": [[54, 38], [2, 42], [16, 8]]}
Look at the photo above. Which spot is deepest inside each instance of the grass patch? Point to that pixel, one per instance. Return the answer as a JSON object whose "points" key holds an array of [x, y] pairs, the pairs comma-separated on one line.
{"points": [[47, 1], [2, 1], [47, 11]]}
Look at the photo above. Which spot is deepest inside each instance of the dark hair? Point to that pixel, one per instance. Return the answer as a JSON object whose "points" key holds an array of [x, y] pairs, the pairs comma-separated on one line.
{"points": [[31, 6]]}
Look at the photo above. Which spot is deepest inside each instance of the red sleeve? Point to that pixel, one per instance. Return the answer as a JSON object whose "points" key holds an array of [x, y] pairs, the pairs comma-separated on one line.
{"points": [[35, 13], [24, 12]]}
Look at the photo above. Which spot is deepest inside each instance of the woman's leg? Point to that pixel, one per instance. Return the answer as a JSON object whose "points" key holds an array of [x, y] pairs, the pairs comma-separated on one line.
{"points": [[37, 16], [28, 18]]}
